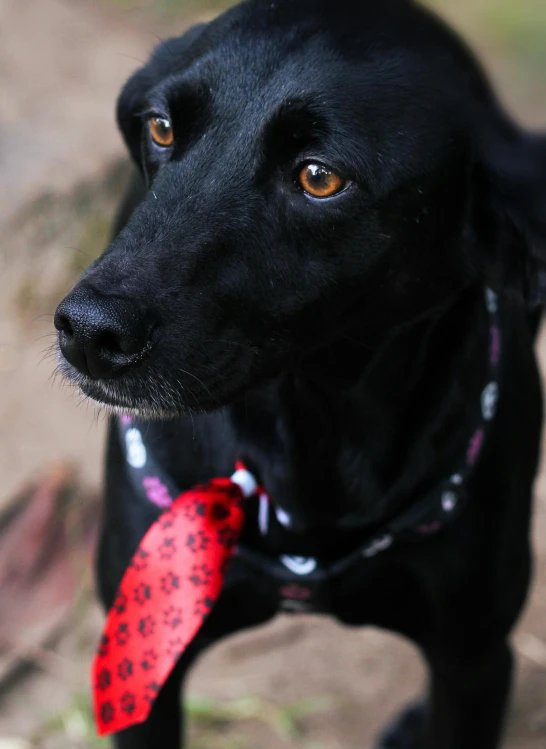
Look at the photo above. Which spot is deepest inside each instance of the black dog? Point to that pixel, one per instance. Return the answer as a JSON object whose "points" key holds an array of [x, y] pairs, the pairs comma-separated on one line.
{"points": [[331, 274]]}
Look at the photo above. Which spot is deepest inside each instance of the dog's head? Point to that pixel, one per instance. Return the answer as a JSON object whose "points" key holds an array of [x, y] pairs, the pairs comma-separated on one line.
{"points": [[313, 171]]}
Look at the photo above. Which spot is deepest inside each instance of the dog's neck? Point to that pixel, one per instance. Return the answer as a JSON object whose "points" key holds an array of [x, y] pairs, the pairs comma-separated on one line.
{"points": [[349, 438]]}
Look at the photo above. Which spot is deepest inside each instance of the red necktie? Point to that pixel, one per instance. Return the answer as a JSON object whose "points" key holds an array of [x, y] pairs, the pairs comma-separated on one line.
{"points": [[168, 590]]}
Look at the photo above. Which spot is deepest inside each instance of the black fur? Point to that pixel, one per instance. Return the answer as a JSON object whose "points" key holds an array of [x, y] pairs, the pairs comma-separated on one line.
{"points": [[335, 345]]}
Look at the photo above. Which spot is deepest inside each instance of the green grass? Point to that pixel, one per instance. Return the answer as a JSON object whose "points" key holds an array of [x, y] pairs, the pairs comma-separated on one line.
{"points": [[210, 721], [285, 720], [75, 723]]}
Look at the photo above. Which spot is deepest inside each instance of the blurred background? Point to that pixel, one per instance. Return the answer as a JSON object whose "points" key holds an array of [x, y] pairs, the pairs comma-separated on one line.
{"points": [[301, 682]]}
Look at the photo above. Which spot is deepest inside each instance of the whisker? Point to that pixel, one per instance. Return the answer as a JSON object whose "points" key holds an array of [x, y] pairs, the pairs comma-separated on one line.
{"points": [[189, 374], [45, 335]]}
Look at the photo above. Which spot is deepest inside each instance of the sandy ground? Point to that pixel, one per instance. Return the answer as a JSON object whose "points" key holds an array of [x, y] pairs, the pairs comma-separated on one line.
{"points": [[61, 66]]}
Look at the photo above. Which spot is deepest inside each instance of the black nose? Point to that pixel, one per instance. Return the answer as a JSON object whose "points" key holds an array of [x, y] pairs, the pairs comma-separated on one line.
{"points": [[101, 336]]}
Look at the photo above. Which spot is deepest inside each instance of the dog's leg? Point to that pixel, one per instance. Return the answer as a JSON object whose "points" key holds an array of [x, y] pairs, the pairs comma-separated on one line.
{"points": [[164, 729], [466, 707]]}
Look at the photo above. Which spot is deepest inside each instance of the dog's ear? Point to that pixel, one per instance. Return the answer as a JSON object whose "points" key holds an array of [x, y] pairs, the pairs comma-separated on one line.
{"points": [[510, 208], [170, 56]]}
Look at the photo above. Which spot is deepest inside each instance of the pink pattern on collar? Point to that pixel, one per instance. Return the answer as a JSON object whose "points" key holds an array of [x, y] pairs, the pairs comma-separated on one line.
{"points": [[157, 492], [475, 446], [495, 345], [430, 528]]}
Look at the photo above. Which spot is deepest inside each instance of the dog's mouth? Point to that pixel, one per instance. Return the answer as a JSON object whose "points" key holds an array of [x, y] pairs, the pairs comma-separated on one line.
{"points": [[111, 397], [147, 393], [142, 396]]}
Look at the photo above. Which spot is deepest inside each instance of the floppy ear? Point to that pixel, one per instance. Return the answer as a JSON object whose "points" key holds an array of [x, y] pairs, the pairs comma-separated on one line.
{"points": [[510, 195], [170, 56]]}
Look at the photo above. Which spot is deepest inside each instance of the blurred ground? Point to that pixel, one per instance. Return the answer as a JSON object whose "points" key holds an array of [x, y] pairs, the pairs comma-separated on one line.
{"points": [[300, 682]]}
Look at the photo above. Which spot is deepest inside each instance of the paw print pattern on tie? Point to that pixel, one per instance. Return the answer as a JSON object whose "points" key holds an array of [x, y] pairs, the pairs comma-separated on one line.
{"points": [[167, 592]]}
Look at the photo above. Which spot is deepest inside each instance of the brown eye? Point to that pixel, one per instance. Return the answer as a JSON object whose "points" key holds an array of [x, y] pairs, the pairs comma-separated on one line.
{"points": [[161, 131], [320, 182]]}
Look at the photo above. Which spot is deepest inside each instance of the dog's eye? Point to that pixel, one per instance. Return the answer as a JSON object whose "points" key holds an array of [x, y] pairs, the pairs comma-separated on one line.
{"points": [[320, 181], [161, 131]]}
